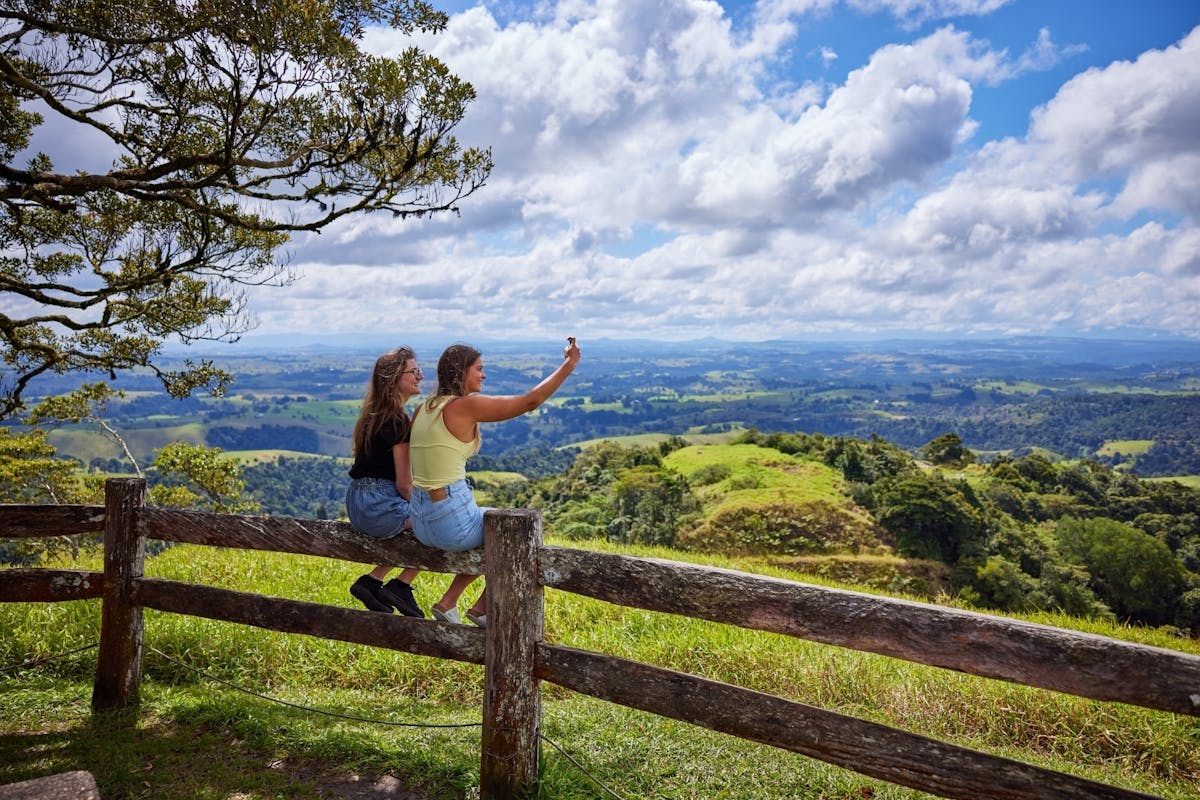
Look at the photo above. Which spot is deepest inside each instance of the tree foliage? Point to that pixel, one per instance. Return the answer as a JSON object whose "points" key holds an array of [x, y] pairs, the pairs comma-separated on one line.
{"points": [[948, 450], [1031, 533], [1135, 572], [30, 472], [299, 487], [624, 494], [649, 505], [194, 476], [930, 516], [229, 126]]}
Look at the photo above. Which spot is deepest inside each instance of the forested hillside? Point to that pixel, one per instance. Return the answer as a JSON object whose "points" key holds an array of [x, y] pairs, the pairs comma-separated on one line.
{"points": [[1016, 534]]}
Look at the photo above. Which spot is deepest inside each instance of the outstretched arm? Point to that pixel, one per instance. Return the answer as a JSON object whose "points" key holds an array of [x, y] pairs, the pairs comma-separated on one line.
{"points": [[476, 408]]}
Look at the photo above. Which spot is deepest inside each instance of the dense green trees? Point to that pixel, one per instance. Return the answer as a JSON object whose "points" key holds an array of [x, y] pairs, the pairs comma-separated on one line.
{"points": [[1134, 572], [228, 125], [536, 462], [650, 504], [929, 516], [264, 437], [312, 488], [620, 493]]}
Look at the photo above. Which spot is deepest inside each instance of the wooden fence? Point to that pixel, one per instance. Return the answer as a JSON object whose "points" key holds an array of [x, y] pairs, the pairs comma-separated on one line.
{"points": [[518, 566]]}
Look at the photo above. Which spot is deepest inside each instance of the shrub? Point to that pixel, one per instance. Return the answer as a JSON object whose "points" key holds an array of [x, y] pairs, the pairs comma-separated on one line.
{"points": [[781, 528], [711, 473], [1001, 584], [929, 516], [1188, 615]]}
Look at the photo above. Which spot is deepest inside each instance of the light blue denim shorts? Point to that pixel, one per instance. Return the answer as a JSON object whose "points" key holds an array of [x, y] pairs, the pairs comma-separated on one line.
{"points": [[455, 523], [375, 507]]}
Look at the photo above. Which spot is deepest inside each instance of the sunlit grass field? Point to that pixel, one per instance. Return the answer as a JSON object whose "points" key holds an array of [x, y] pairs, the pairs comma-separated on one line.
{"points": [[322, 412], [1187, 480], [87, 442], [251, 457], [654, 439], [195, 737], [1127, 447]]}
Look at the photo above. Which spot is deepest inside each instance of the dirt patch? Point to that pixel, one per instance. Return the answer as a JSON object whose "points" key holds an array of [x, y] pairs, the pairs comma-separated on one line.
{"points": [[350, 786], [367, 787]]}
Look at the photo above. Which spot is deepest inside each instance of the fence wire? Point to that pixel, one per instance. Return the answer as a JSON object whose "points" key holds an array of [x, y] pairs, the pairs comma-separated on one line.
{"points": [[47, 659]]}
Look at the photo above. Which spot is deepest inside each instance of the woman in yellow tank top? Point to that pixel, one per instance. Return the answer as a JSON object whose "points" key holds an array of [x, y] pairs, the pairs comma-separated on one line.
{"points": [[445, 433]]}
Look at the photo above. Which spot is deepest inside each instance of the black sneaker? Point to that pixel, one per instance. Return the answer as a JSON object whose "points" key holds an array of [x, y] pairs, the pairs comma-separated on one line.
{"points": [[366, 589], [400, 595]]}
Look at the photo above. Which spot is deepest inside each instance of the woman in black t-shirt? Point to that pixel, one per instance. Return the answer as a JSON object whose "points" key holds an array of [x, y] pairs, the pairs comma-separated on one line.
{"points": [[377, 500]]}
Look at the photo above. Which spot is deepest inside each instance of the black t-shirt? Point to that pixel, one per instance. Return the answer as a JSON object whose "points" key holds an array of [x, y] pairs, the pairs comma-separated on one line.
{"points": [[378, 461]]}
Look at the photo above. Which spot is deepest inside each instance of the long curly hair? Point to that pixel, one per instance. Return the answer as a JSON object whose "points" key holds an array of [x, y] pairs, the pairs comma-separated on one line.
{"points": [[452, 372], [382, 403]]}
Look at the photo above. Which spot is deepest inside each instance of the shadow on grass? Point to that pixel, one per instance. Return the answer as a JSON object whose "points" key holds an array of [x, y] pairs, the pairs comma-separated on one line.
{"points": [[210, 746]]}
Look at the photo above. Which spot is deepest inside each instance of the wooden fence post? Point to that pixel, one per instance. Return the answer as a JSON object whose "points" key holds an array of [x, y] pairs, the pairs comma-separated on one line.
{"points": [[119, 667], [515, 624]]}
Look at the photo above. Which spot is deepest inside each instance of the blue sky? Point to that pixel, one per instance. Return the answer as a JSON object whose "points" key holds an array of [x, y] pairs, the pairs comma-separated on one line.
{"points": [[794, 169]]}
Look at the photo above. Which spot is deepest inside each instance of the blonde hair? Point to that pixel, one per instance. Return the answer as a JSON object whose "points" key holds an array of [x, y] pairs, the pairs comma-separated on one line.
{"points": [[382, 403]]}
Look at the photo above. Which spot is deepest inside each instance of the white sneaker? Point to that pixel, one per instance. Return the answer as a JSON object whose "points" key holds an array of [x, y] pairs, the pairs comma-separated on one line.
{"points": [[447, 616], [478, 619]]}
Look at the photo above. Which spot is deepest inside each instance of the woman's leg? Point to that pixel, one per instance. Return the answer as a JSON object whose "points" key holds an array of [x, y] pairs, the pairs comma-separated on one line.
{"points": [[399, 594], [479, 610], [454, 592]]}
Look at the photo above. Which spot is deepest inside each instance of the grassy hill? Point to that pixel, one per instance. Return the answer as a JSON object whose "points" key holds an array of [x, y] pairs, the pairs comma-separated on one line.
{"points": [[798, 513]]}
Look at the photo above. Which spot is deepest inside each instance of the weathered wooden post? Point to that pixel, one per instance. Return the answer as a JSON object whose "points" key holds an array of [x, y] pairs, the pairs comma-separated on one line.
{"points": [[119, 667], [515, 624]]}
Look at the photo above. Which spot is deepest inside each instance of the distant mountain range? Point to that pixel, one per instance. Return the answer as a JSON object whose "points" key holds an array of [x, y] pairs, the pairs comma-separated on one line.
{"points": [[1062, 350]]}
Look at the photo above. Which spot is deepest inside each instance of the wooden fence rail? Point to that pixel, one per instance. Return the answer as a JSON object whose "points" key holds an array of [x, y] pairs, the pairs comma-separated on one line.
{"points": [[516, 658]]}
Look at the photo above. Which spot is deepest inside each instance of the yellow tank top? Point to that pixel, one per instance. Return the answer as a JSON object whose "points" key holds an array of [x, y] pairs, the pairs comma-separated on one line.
{"points": [[437, 456]]}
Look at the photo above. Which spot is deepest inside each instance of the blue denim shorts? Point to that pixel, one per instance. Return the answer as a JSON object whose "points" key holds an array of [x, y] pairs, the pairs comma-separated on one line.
{"points": [[376, 508], [455, 523]]}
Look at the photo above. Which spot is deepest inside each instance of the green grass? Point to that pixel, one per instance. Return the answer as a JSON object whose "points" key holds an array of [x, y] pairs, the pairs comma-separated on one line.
{"points": [[1187, 480], [726, 396], [758, 476], [760, 468], [1009, 387], [321, 412], [654, 439], [633, 440], [1126, 447], [196, 738]]}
